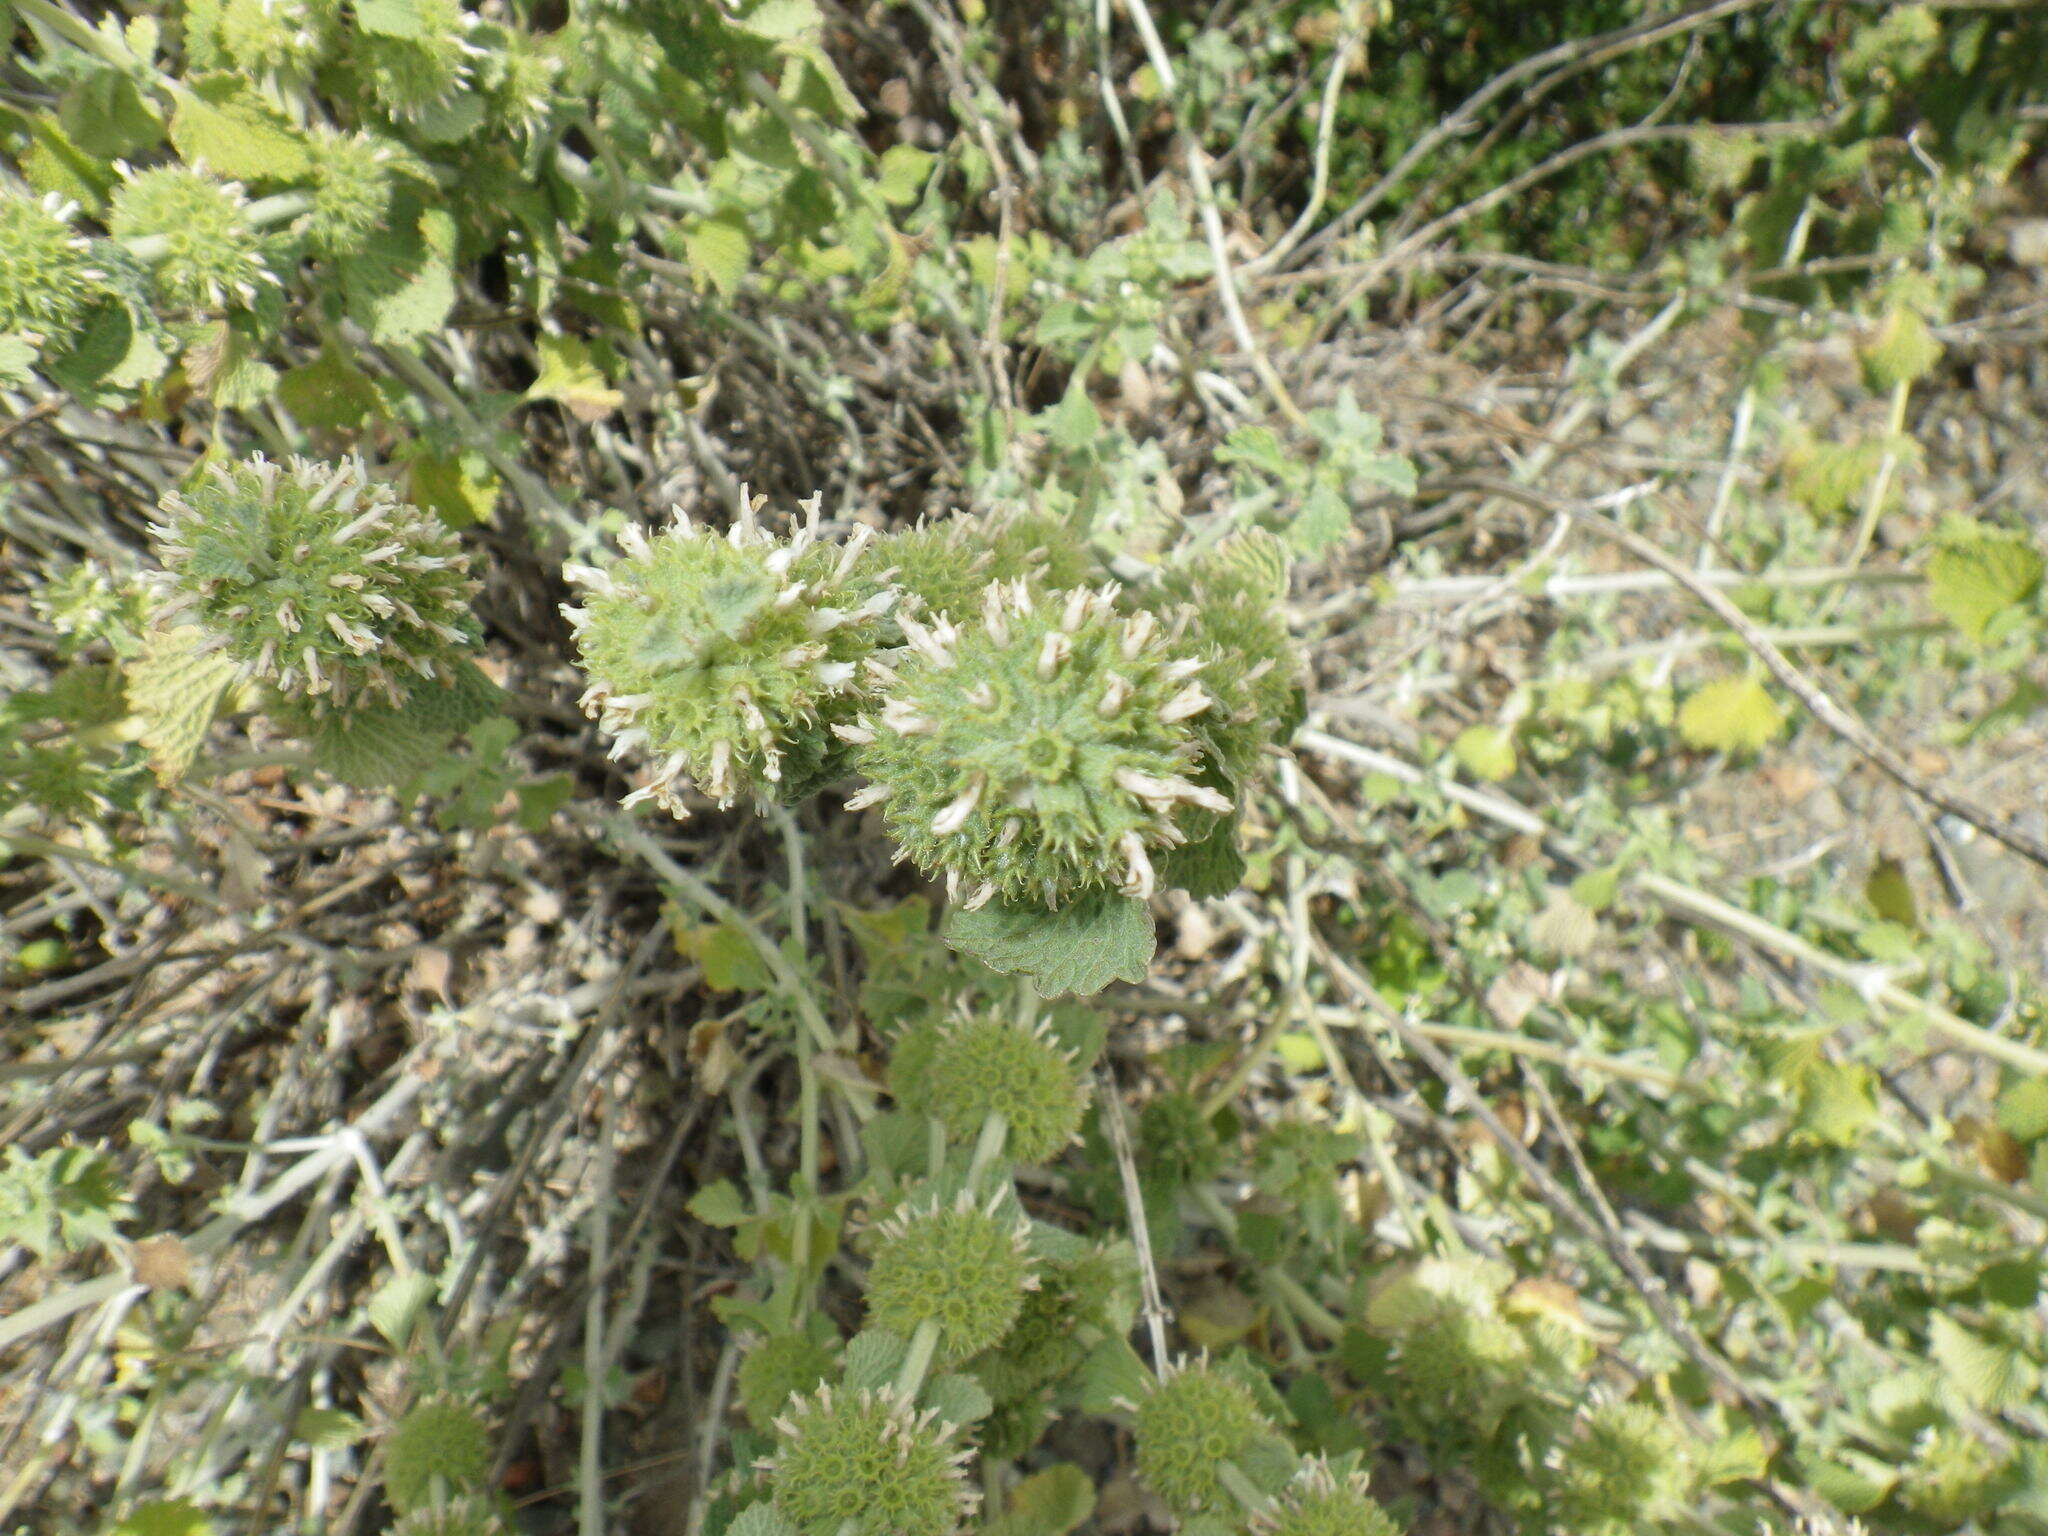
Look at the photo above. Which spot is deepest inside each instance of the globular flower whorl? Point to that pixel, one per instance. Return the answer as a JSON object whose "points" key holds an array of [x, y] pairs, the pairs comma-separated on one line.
{"points": [[210, 255], [290, 38], [1038, 754], [1077, 1293], [867, 1458], [722, 658], [318, 580], [1230, 606], [352, 186], [439, 1450], [1625, 1465], [1193, 1421], [49, 281], [1320, 1502], [961, 1266], [998, 1066], [777, 1369], [421, 71], [523, 79], [944, 567]]}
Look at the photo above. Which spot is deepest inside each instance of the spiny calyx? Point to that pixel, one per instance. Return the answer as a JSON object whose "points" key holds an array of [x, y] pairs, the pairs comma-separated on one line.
{"points": [[1320, 1501], [317, 580], [211, 256], [867, 1460], [962, 1267], [1039, 754], [998, 1066], [50, 281], [943, 567], [1229, 601], [1193, 1423], [439, 1450], [722, 658]]}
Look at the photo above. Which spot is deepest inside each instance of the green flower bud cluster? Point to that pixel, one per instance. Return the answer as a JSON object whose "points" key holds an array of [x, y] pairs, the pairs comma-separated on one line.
{"points": [[438, 1451], [943, 568], [1193, 1424], [1466, 1349], [286, 38], [212, 257], [1080, 1296], [865, 1459], [50, 279], [1624, 1466], [1320, 1501], [1178, 1139], [964, 1268], [1039, 754], [1230, 600], [317, 580], [418, 71], [1952, 1476], [1031, 740], [352, 189], [777, 1369], [999, 1066], [720, 658]]}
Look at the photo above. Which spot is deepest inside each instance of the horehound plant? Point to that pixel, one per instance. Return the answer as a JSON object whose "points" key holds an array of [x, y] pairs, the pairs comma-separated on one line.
{"points": [[982, 1323], [1048, 744], [314, 593]]}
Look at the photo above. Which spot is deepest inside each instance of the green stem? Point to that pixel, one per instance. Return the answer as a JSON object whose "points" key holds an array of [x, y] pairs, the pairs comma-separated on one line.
{"points": [[786, 978], [1304, 1306], [924, 1344], [988, 1147], [1880, 485], [1241, 1488]]}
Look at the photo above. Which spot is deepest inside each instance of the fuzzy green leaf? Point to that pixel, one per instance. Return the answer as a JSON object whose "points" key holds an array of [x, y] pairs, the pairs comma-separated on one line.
{"points": [[1111, 1376], [760, 1520], [403, 284], [17, 359], [377, 746], [329, 394], [1988, 1373], [1048, 1503], [570, 376], [398, 1305], [1081, 948], [719, 248], [2023, 1109], [872, 1358], [225, 124], [1486, 752], [718, 1205], [106, 115], [327, 1429], [1902, 350], [1209, 866], [176, 693], [1979, 573], [1837, 1104], [460, 488], [905, 169], [1735, 714], [959, 1399]]}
